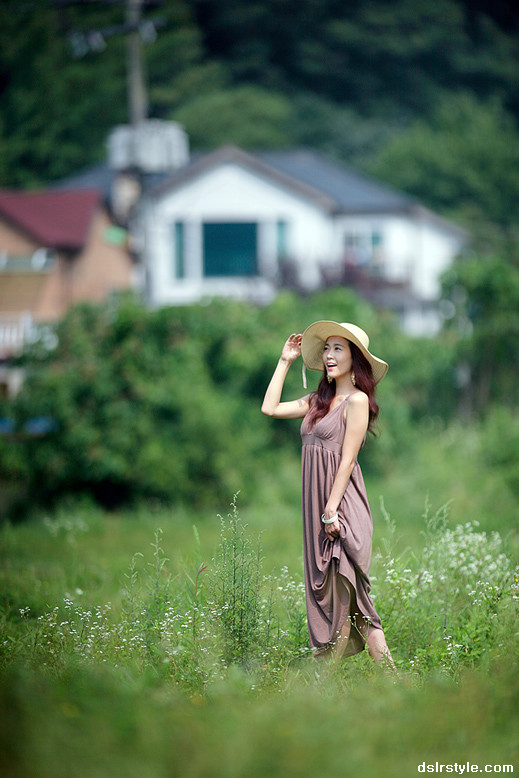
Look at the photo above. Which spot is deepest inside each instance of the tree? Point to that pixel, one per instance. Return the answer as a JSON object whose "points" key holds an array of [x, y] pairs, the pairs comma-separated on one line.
{"points": [[382, 58], [464, 162], [136, 413], [483, 292], [244, 115]]}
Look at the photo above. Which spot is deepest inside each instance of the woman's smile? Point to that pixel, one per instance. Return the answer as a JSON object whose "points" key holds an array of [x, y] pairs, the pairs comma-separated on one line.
{"points": [[337, 356]]}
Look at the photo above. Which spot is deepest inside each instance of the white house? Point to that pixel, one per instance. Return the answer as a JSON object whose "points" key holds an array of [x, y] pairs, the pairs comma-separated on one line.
{"points": [[241, 224], [229, 222]]}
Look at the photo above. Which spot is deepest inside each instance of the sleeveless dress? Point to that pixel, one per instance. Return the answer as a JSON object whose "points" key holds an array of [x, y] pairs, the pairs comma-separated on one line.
{"points": [[329, 564]]}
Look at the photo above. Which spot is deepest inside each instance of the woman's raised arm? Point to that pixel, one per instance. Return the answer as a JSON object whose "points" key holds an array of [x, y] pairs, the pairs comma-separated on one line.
{"points": [[272, 405]]}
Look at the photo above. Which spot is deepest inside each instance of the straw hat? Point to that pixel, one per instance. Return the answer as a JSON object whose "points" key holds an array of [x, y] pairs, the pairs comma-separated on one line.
{"points": [[316, 335]]}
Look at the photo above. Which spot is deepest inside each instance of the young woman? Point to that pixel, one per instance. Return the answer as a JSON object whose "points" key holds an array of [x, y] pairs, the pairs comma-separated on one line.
{"points": [[337, 523]]}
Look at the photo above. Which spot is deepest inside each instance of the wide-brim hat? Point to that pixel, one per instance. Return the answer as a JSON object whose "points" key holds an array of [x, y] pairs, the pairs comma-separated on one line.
{"points": [[316, 335]]}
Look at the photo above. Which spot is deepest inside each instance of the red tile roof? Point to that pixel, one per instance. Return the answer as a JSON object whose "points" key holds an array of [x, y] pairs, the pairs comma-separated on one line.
{"points": [[55, 219]]}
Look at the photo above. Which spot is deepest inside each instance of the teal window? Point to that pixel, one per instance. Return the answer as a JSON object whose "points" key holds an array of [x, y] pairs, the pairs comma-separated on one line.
{"points": [[179, 270], [230, 248], [376, 239]]}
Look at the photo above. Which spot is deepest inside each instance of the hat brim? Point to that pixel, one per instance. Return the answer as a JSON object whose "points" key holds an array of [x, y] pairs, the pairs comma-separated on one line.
{"points": [[316, 335]]}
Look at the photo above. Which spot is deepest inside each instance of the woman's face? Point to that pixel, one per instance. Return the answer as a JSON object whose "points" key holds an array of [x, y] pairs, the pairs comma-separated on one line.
{"points": [[337, 357]]}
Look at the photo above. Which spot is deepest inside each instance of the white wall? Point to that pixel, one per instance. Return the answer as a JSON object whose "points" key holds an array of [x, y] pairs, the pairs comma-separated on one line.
{"points": [[413, 248], [231, 193], [438, 250]]}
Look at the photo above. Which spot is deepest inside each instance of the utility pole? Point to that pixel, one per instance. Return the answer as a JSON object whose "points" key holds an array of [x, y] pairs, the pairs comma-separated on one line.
{"points": [[137, 96], [137, 30]]}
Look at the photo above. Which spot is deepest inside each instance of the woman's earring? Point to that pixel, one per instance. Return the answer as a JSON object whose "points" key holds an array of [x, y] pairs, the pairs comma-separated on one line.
{"points": [[352, 376], [330, 379]]}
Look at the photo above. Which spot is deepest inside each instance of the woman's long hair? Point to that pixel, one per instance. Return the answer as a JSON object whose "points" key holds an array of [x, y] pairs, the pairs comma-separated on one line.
{"points": [[320, 400]]}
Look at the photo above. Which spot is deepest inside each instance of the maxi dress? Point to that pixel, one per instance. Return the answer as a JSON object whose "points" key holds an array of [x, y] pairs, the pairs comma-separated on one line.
{"points": [[329, 565]]}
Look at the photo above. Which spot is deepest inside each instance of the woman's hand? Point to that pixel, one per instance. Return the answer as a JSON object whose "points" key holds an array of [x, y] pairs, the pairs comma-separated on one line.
{"points": [[292, 348], [332, 530]]}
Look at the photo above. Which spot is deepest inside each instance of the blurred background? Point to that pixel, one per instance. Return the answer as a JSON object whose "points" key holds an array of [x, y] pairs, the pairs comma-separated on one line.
{"points": [[183, 183]]}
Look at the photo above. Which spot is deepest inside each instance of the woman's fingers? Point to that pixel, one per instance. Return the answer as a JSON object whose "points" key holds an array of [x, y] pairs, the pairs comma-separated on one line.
{"points": [[333, 531]]}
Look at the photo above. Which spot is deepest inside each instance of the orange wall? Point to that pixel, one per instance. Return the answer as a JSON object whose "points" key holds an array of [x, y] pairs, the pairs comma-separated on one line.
{"points": [[101, 268]]}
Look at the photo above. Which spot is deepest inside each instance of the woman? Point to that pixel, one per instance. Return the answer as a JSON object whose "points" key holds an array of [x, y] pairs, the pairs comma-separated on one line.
{"points": [[337, 523]]}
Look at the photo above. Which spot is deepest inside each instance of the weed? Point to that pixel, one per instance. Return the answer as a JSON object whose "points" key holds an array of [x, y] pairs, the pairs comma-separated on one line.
{"points": [[236, 588]]}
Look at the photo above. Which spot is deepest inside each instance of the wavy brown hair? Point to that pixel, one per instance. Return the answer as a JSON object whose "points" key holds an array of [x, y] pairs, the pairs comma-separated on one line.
{"points": [[320, 400]]}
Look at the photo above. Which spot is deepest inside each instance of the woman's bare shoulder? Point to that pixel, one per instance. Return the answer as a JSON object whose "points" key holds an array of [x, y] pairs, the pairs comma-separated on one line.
{"points": [[358, 399], [356, 405]]}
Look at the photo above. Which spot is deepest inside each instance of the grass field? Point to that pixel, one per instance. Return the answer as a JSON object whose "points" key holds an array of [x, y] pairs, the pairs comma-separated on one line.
{"points": [[158, 643]]}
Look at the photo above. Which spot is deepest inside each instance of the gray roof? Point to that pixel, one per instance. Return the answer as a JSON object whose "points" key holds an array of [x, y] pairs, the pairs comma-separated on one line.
{"points": [[353, 192], [95, 177], [337, 186], [312, 175]]}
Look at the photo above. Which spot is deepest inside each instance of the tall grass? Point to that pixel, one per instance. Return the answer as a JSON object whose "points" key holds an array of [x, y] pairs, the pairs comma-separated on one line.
{"points": [[444, 606], [203, 667]]}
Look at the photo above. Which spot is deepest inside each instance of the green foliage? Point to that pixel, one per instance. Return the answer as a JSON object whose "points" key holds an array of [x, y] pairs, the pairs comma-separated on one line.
{"points": [[136, 410], [463, 160], [105, 722], [339, 130], [41, 110], [500, 432], [247, 116], [384, 59], [446, 606], [343, 77], [161, 404], [57, 110], [483, 293], [145, 684]]}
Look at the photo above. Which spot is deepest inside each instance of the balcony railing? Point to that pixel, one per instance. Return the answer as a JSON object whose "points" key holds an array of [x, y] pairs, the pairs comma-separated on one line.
{"points": [[15, 331]]}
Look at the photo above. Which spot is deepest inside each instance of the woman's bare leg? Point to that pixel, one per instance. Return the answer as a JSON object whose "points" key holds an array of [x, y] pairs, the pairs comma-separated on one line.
{"points": [[378, 648], [340, 644], [343, 636]]}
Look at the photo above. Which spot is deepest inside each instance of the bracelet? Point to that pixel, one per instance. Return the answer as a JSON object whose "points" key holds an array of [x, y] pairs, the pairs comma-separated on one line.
{"points": [[329, 521]]}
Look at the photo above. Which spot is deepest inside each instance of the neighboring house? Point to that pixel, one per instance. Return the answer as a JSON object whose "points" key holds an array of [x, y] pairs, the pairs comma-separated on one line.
{"points": [[237, 223], [57, 248]]}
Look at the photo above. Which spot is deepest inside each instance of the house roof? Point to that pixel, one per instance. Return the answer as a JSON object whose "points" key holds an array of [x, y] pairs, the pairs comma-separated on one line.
{"points": [[313, 175], [55, 219], [330, 183], [101, 177], [231, 154], [352, 191], [334, 185], [98, 177]]}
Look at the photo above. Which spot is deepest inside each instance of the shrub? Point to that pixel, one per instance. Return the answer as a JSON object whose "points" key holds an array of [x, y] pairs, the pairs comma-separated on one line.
{"points": [[452, 603]]}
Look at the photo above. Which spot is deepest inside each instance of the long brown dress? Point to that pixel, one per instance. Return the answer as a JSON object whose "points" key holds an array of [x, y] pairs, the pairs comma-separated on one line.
{"points": [[328, 564]]}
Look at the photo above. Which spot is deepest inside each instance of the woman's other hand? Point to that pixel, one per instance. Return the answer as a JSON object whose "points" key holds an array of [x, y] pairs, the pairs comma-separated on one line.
{"points": [[332, 530], [292, 348]]}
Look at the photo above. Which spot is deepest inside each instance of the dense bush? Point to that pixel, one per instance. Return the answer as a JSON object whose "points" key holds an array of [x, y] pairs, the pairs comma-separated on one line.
{"points": [[165, 405], [159, 404]]}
